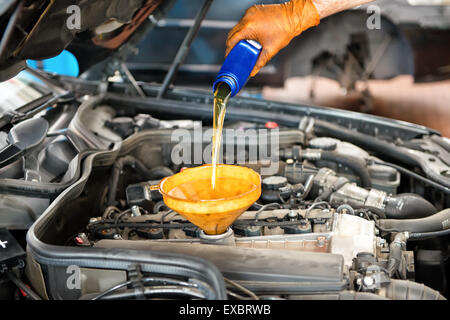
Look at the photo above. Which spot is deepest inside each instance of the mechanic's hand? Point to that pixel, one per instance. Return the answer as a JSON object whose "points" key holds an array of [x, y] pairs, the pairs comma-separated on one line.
{"points": [[273, 26]]}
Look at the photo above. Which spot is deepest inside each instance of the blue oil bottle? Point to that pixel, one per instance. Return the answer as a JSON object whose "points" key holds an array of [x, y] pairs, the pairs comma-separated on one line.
{"points": [[238, 65]]}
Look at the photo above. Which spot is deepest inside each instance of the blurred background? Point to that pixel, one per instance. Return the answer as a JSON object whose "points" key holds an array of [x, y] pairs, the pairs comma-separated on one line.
{"points": [[400, 70]]}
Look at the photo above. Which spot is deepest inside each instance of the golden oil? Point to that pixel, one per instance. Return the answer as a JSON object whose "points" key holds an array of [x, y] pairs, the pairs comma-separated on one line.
{"points": [[225, 188], [221, 96]]}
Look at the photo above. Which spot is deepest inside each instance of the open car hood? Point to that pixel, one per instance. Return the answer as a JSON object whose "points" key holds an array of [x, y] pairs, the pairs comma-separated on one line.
{"points": [[91, 29]]}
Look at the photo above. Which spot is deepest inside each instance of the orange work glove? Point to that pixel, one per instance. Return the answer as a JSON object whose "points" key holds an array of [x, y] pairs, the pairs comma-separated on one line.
{"points": [[273, 26]]}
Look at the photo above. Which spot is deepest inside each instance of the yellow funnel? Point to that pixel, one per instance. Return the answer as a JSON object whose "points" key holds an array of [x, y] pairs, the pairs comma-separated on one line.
{"points": [[190, 194]]}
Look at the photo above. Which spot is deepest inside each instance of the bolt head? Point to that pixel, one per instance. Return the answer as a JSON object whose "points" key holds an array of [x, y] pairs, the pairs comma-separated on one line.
{"points": [[292, 214], [368, 281], [321, 241], [135, 212], [92, 220]]}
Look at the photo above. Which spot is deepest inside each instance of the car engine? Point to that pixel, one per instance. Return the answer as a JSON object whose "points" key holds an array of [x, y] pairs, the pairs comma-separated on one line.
{"points": [[352, 207], [334, 221]]}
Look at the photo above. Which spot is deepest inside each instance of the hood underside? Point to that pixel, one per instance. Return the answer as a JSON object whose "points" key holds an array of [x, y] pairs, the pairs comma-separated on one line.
{"points": [[42, 29]]}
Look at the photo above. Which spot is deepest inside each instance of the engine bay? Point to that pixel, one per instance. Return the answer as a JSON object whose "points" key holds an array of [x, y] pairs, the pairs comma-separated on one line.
{"points": [[335, 220], [343, 205]]}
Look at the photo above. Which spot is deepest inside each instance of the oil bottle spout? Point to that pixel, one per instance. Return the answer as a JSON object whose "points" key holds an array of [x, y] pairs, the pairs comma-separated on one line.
{"points": [[238, 65]]}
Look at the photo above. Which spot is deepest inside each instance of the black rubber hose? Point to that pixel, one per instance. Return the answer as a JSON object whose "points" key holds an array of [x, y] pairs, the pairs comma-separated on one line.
{"points": [[408, 206], [117, 169], [395, 253], [428, 235], [355, 164], [363, 140], [321, 127], [437, 222], [415, 176], [409, 290], [384, 148], [308, 186]]}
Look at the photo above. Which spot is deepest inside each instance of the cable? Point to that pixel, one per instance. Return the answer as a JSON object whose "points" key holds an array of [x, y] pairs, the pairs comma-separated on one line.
{"points": [[158, 206], [381, 228], [117, 287], [165, 215], [377, 211], [158, 291], [22, 286], [315, 204], [267, 224], [109, 210], [243, 289], [119, 216], [164, 281], [119, 165], [97, 227], [413, 175], [237, 296], [264, 207], [428, 235], [347, 207], [375, 220]]}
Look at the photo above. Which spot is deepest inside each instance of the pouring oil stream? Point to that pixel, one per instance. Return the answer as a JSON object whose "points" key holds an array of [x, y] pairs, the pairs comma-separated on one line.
{"points": [[232, 77], [221, 96]]}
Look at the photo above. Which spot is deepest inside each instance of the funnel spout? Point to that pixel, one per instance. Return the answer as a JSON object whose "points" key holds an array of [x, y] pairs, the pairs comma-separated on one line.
{"points": [[226, 238]]}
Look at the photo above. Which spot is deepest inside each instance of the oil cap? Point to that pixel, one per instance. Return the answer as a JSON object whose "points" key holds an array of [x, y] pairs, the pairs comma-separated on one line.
{"points": [[274, 182]]}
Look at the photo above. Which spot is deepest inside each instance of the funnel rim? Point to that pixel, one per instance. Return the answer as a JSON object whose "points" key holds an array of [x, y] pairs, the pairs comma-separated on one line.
{"points": [[254, 188]]}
